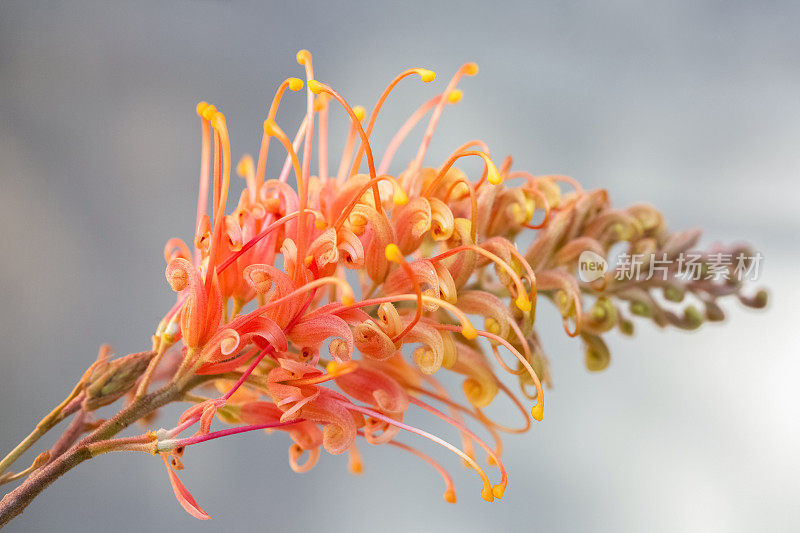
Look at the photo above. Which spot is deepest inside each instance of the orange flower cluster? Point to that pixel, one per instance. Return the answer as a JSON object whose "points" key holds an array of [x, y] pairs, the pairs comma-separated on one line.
{"points": [[329, 309]]}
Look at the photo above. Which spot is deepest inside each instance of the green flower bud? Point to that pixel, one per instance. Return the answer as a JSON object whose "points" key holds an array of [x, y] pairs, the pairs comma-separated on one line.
{"points": [[597, 356], [112, 379], [674, 293]]}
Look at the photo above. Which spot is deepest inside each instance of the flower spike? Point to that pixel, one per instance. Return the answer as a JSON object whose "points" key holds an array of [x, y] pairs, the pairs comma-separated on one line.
{"points": [[334, 310]]}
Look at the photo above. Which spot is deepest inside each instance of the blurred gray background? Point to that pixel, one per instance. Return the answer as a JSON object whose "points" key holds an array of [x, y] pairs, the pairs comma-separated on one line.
{"points": [[694, 106]]}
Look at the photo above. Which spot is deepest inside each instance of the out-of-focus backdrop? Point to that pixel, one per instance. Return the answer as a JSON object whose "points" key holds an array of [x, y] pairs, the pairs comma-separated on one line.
{"points": [[694, 106]]}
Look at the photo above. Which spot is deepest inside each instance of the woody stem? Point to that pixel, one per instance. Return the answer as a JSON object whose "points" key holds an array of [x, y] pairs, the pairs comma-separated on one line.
{"points": [[17, 500]]}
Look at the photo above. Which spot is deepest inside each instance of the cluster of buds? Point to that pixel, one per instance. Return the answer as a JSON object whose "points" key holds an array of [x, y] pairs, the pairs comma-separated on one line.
{"points": [[329, 309]]}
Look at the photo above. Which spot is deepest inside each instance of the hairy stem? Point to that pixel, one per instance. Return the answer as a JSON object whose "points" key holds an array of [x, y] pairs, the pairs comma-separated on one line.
{"points": [[17, 500], [73, 432]]}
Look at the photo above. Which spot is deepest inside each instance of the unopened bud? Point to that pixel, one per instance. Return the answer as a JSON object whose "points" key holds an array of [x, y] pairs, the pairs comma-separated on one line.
{"points": [[112, 379], [597, 356], [674, 293]]}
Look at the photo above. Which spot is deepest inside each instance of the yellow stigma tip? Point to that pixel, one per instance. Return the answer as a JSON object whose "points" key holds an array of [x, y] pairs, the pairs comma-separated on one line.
{"points": [[209, 111], [469, 331], [426, 75], [498, 491], [455, 96], [537, 411], [450, 496], [524, 303], [244, 166], [303, 56], [320, 224], [393, 253], [360, 112], [218, 121], [314, 86], [295, 84], [487, 494], [494, 176], [400, 197], [332, 367], [470, 69], [201, 107], [347, 299]]}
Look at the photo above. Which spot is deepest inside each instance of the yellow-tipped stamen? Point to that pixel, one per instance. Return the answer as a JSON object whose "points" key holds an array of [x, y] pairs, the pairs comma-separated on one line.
{"points": [[487, 492], [293, 84], [528, 273], [317, 87], [220, 127], [467, 69], [426, 75], [394, 255], [537, 411], [273, 130], [222, 141], [498, 489], [304, 58], [522, 301], [205, 169], [482, 146], [493, 175]]}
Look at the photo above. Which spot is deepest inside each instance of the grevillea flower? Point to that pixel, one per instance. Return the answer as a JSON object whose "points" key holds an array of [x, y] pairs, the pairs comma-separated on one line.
{"points": [[330, 309]]}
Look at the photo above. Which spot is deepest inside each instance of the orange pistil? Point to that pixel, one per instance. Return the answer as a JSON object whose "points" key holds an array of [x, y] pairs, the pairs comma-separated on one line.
{"points": [[394, 255], [317, 87], [425, 75], [294, 84]]}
